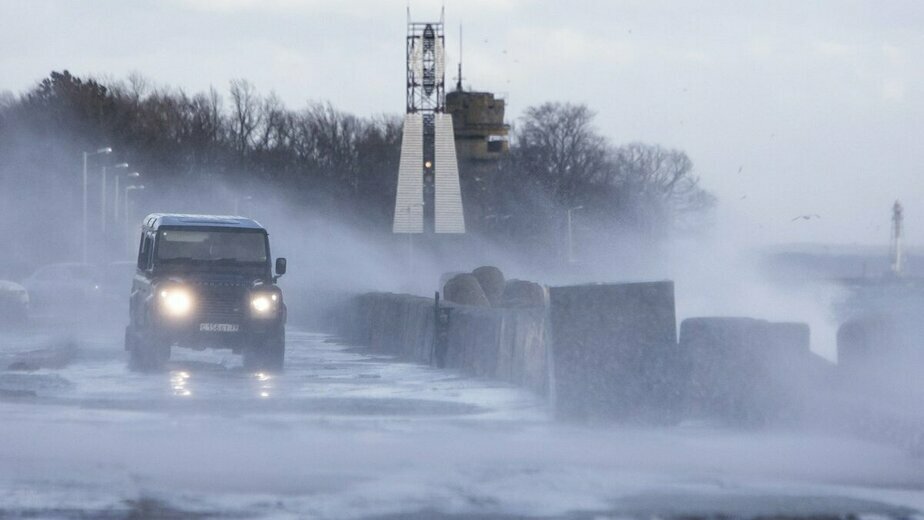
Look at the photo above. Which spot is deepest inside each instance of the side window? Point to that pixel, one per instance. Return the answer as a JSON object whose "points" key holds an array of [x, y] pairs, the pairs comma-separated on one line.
{"points": [[141, 256], [144, 251], [149, 238]]}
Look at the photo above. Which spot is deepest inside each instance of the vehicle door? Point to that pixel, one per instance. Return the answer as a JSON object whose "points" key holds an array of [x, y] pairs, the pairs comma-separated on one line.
{"points": [[142, 284]]}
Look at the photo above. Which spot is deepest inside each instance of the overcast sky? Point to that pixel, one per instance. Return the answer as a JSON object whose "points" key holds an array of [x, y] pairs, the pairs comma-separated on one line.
{"points": [[786, 108]]}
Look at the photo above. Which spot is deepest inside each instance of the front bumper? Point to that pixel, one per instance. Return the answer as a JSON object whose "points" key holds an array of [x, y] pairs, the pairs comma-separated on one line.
{"points": [[234, 334]]}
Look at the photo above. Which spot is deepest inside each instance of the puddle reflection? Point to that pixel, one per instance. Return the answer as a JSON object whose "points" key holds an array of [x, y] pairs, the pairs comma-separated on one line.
{"points": [[179, 380], [181, 383], [266, 384]]}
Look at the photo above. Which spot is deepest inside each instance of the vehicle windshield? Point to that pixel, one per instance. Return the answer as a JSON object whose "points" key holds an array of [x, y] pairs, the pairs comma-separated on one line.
{"points": [[212, 246]]}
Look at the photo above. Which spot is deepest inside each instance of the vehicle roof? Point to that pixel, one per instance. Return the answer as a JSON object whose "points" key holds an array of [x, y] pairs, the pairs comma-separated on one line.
{"points": [[156, 220]]}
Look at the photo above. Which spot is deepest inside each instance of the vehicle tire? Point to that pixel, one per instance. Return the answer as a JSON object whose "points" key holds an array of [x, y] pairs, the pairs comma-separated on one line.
{"points": [[134, 357], [269, 355], [145, 356]]}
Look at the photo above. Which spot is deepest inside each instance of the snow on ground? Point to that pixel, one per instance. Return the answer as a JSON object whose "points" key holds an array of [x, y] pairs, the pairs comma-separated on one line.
{"points": [[345, 434]]}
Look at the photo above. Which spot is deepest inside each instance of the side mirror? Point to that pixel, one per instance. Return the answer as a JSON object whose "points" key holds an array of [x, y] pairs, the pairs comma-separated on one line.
{"points": [[280, 266]]}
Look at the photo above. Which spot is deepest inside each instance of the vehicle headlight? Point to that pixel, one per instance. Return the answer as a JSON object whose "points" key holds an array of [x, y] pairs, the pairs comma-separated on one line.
{"points": [[264, 304], [176, 301]]}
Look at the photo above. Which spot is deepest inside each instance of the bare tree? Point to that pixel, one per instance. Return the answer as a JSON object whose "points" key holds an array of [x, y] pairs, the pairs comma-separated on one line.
{"points": [[7, 99], [138, 86], [659, 182], [558, 144], [320, 155], [246, 115], [329, 139], [637, 185], [276, 130]]}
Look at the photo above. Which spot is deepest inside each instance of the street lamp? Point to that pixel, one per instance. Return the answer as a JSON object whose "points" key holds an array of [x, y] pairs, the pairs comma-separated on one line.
{"points": [[102, 198], [128, 189], [106, 150], [115, 204], [495, 220], [571, 233]]}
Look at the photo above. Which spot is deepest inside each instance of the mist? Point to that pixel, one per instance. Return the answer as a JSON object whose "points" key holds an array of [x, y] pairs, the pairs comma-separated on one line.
{"points": [[346, 431]]}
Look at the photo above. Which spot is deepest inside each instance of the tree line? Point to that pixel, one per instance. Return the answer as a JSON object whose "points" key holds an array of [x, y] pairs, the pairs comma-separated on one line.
{"points": [[334, 161]]}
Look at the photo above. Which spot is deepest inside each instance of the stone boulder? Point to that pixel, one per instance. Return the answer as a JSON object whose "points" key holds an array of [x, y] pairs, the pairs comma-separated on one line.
{"points": [[464, 289], [445, 277], [522, 294], [492, 283]]}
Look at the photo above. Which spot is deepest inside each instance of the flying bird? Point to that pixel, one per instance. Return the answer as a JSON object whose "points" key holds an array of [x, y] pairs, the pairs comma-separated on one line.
{"points": [[806, 217]]}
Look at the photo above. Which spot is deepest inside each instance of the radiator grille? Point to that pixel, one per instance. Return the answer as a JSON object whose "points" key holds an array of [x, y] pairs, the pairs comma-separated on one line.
{"points": [[221, 304]]}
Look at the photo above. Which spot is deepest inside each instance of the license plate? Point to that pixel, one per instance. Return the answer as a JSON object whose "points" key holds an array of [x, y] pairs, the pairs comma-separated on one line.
{"points": [[219, 327]]}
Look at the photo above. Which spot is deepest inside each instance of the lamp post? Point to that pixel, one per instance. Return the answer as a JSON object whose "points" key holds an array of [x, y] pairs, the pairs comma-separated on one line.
{"points": [[495, 217], [102, 198], [115, 204], [410, 239], [571, 233], [85, 230], [128, 189]]}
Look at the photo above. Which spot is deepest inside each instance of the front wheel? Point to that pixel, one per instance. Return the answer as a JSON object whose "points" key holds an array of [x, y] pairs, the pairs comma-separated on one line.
{"points": [[267, 355], [145, 355]]}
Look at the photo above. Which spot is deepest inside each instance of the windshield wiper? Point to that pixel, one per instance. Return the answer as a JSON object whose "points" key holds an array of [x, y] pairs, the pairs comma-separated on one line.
{"points": [[180, 259], [212, 261], [232, 261]]}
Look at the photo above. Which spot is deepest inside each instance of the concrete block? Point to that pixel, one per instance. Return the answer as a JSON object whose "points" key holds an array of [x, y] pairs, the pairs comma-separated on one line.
{"points": [[422, 332], [523, 294], [614, 351], [748, 372], [396, 324], [882, 351], [474, 340], [504, 344], [354, 323], [523, 356]]}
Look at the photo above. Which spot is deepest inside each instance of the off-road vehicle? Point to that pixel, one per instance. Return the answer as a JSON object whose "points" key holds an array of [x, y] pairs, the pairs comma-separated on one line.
{"points": [[205, 281]]}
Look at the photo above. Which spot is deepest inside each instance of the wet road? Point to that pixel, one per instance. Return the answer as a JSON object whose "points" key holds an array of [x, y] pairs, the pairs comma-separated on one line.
{"points": [[321, 378], [346, 434]]}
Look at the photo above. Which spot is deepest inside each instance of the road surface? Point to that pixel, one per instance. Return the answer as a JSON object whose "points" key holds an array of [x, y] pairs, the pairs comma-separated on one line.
{"points": [[346, 434]]}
